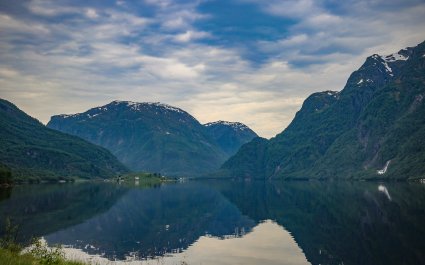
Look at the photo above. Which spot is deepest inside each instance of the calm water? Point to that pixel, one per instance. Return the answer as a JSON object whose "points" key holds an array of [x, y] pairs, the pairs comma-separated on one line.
{"points": [[226, 222]]}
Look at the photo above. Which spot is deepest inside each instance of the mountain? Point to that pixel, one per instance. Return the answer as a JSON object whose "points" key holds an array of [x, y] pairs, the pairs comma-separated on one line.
{"points": [[230, 136], [152, 137], [374, 128], [33, 152]]}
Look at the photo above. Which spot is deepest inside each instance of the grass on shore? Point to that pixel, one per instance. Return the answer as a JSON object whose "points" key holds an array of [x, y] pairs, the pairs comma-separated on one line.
{"points": [[38, 253], [8, 257]]}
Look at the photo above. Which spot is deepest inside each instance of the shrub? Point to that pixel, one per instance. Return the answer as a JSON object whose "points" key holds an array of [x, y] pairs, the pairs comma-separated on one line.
{"points": [[46, 255]]}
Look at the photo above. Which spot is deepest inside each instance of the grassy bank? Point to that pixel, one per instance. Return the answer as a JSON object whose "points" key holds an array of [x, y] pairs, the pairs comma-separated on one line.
{"points": [[8, 257], [38, 253]]}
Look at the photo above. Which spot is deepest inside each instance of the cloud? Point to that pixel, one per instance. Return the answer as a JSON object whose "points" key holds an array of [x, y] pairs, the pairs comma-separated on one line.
{"points": [[191, 35], [160, 3], [65, 57], [121, 3], [179, 19], [91, 13], [169, 68], [46, 8], [12, 26], [6, 72], [291, 8]]}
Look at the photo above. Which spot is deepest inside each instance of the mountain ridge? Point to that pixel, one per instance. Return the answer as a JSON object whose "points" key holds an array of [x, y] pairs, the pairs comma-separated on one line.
{"points": [[342, 135], [156, 137]]}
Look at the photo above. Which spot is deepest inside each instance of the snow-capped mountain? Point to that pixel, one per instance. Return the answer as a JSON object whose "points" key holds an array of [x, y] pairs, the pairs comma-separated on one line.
{"points": [[155, 137], [373, 128]]}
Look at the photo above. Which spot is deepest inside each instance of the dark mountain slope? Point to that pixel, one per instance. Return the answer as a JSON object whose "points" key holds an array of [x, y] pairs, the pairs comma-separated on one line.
{"points": [[32, 151]]}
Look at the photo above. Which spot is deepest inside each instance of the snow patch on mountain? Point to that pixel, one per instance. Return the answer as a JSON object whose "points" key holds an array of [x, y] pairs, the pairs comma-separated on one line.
{"points": [[66, 115], [334, 94], [133, 105], [388, 68], [139, 106], [394, 57], [234, 125], [165, 106], [92, 116], [384, 62]]}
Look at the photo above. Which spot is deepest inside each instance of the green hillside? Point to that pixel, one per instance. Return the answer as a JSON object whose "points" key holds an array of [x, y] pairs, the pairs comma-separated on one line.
{"points": [[34, 152]]}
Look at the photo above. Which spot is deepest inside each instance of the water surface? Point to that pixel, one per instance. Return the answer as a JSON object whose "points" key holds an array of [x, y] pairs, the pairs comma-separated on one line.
{"points": [[226, 222]]}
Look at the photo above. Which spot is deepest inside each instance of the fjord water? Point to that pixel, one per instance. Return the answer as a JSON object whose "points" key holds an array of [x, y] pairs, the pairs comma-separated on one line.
{"points": [[226, 222]]}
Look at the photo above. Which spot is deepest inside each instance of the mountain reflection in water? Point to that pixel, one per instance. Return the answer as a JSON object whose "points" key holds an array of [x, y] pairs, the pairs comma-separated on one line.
{"points": [[267, 243], [228, 222]]}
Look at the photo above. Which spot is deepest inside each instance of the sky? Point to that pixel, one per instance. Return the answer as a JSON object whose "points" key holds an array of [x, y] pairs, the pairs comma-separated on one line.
{"points": [[250, 61]]}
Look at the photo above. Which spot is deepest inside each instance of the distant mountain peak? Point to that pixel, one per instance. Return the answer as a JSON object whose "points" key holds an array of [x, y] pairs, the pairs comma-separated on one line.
{"points": [[401, 55], [229, 135], [141, 105], [378, 70], [384, 62], [391, 60], [234, 125], [134, 106]]}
